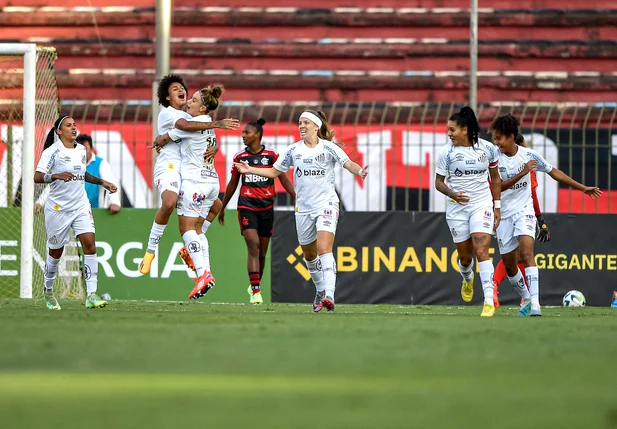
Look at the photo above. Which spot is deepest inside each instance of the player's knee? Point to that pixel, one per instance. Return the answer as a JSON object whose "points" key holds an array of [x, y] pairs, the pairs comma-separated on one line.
{"points": [[527, 257], [465, 260], [89, 248], [168, 206], [253, 248], [482, 255]]}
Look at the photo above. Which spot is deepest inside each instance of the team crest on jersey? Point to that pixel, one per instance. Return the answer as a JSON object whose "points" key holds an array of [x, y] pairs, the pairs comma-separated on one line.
{"points": [[321, 157], [264, 161], [83, 159], [483, 158]]}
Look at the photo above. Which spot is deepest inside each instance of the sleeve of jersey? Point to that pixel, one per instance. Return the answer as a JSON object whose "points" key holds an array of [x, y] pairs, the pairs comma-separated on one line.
{"points": [[234, 170], [442, 162], [543, 164], [337, 153], [285, 161], [493, 159], [176, 135], [46, 162], [165, 120]]}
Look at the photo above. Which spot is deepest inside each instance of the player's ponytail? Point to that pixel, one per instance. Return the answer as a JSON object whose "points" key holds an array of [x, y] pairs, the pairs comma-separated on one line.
{"points": [[325, 132], [53, 132], [467, 118], [258, 125], [506, 125], [210, 96]]}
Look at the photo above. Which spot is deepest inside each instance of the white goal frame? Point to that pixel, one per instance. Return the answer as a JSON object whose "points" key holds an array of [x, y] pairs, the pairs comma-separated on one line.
{"points": [[28, 51]]}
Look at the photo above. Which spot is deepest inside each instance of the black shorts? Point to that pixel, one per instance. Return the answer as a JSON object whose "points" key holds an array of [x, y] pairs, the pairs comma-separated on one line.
{"points": [[261, 220]]}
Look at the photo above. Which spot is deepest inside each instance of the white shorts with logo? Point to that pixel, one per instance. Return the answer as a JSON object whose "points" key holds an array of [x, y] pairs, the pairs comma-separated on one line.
{"points": [[510, 229], [308, 224], [196, 198], [480, 220], [59, 223], [167, 180]]}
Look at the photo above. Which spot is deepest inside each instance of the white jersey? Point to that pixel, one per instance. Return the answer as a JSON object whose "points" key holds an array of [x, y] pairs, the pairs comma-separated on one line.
{"points": [[169, 157], [192, 145], [518, 198], [466, 170], [65, 196], [314, 173]]}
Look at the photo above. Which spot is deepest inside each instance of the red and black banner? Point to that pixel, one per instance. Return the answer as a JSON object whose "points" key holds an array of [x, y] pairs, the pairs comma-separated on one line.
{"points": [[409, 258]]}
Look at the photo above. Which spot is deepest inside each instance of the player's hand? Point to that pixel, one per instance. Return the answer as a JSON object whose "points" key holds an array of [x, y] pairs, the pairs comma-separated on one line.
{"points": [[461, 198], [37, 207], [114, 208], [531, 165], [110, 187], [222, 217], [364, 172], [227, 124], [242, 167], [211, 151], [593, 192], [66, 176], [497, 214], [542, 233]]}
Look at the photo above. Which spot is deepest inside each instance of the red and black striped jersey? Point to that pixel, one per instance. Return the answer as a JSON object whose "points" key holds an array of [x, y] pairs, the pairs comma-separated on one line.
{"points": [[256, 192]]}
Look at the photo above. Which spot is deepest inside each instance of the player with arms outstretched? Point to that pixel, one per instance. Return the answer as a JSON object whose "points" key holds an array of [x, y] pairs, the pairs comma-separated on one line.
{"points": [[473, 207], [172, 94], [317, 204], [63, 167], [517, 230], [255, 203]]}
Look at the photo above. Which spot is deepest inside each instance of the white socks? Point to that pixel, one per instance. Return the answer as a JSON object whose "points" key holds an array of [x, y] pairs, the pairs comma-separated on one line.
{"points": [[91, 273], [486, 275], [51, 268], [193, 245], [533, 280], [518, 282], [466, 272], [155, 236], [316, 272], [328, 265], [205, 249]]}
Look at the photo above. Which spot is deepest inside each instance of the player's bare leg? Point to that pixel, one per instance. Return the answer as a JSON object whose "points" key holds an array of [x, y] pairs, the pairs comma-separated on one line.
{"points": [[252, 264], [161, 219]]}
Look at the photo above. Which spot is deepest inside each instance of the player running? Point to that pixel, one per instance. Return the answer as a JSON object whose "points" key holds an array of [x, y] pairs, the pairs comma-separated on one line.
{"points": [[542, 232], [317, 204], [516, 232], [255, 203], [172, 94], [63, 166], [472, 213], [200, 183]]}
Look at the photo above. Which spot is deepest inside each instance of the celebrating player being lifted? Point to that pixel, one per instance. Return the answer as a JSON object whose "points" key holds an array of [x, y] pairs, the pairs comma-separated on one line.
{"points": [[200, 183], [517, 230], [172, 94], [255, 203], [317, 204], [63, 166], [462, 175]]}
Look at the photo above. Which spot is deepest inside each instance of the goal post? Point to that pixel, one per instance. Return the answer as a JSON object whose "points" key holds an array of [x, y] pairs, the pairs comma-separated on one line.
{"points": [[28, 108]]}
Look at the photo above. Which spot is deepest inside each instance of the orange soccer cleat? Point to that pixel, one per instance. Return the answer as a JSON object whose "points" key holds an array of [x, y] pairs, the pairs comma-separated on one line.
{"points": [[202, 285], [495, 295], [186, 257]]}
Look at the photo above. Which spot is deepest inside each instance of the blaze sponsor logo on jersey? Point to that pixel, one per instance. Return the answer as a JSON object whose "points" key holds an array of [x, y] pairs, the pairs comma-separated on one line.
{"points": [[318, 173]]}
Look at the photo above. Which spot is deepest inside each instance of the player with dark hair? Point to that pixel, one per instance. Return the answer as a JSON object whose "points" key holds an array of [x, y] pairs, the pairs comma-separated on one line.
{"points": [[317, 204], [473, 206], [542, 232], [517, 230], [63, 167], [172, 94], [255, 203]]}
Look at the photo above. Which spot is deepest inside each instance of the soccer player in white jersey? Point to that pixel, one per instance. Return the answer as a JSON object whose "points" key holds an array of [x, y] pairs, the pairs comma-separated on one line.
{"points": [[317, 204], [473, 205], [172, 94], [517, 230], [200, 183], [63, 166]]}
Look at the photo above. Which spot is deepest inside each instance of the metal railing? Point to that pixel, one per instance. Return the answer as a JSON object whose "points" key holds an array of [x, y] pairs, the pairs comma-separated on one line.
{"points": [[399, 142]]}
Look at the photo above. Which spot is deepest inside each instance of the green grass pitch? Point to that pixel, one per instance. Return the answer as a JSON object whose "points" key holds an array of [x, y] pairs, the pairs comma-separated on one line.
{"points": [[182, 365]]}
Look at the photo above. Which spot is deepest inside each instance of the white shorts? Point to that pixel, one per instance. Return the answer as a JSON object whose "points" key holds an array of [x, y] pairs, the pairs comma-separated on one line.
{"points": [[307, 225], [196, 198], [59, 224], [511, 228], [168, 180], [480, 220]]}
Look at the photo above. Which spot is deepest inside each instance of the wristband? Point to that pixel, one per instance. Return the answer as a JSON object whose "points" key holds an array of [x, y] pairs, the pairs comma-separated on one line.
{"points": [[47, 178], [360, 172], [497, 204]]}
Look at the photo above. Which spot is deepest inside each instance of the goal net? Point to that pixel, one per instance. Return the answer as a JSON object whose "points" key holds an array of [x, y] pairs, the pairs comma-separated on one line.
{"points": [[23, 248]]}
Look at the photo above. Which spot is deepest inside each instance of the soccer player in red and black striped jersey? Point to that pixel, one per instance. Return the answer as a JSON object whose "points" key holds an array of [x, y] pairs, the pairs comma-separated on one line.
{"points": [[255, 203]]}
